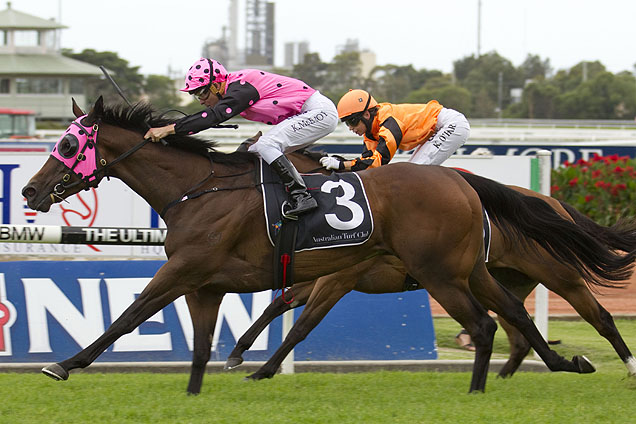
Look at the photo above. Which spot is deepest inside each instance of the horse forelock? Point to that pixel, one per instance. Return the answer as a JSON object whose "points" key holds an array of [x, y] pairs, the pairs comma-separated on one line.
{"points": [[142, 115]]}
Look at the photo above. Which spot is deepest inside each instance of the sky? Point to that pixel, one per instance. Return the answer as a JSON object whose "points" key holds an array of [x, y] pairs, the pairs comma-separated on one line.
{"points": [[161, 34]]}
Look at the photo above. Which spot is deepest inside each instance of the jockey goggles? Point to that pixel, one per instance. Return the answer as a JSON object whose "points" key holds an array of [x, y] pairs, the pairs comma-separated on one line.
{"points": [[201, 93], [353, 119]]}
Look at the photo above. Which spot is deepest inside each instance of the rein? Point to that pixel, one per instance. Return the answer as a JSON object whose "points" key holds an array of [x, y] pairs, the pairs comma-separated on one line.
{"points": [[188, 195], [81, 134]]}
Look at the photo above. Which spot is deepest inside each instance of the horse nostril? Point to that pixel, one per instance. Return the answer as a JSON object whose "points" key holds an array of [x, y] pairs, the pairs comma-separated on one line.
{"points": [[28, 192]]}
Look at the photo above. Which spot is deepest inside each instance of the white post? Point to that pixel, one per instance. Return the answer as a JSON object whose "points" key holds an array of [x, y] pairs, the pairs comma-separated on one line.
{"points": [[541, 293], [287, 367]]}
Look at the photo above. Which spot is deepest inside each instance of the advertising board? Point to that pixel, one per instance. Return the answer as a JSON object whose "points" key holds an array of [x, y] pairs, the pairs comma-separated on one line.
{"points": [[49, 310]]}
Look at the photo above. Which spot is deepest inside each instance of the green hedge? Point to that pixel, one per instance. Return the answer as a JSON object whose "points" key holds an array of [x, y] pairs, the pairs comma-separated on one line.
{"points": [[603, 188]]}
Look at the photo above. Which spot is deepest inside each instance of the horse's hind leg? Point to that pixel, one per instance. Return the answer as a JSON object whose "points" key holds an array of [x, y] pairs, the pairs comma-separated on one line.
{"points": [[498, 299], [326, 293], [276, 308], [465, 309], [204, 308], [519, 349], [521, 286], [591, 311]]}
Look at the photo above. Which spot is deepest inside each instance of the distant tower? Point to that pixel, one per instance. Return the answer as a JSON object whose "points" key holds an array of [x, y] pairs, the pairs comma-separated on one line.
{"points": [[234, 56], [259, 33], [367, 57], [217, 48], [290, 57], [303, 49], [295, 53]]}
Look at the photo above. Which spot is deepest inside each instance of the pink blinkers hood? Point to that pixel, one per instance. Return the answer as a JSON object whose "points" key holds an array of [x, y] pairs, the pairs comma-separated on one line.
{"points": [[76, 149], [199, 74]]}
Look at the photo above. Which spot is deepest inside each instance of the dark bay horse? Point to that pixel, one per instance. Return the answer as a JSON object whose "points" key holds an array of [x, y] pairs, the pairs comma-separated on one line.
{"points": [[429, 217], [513, 266]]}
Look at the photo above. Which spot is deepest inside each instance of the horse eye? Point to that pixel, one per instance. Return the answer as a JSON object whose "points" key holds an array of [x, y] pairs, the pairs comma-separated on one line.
{"points": [[68, 146]]}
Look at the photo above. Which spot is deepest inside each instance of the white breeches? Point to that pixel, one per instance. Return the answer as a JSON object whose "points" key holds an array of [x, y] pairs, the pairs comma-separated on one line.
{"points": [[452, 131], [317, 119]]}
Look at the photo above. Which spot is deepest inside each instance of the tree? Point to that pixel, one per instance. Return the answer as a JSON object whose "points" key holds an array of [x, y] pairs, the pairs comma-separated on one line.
{"points": [[567, 80], [312, 71], [127, 77], [539, 99], [393, 83], [605, 96], [441, 89], [481, 76], [534, 68], [342, 74]]}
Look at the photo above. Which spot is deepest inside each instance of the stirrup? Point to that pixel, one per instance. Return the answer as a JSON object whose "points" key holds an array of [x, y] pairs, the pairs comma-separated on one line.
{"points": [[285, 207], [288, 206]]}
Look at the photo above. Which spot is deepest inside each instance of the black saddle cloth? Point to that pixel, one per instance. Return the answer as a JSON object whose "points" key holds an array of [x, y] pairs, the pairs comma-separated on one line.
{"points": [[343, 217]]}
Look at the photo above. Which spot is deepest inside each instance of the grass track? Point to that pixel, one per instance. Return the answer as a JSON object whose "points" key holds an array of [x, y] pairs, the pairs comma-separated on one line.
{"points": [[380, 397]]}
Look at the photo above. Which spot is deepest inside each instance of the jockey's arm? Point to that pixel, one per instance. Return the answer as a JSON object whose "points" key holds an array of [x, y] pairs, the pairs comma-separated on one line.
{"points": [[236, 99], [389, 138]]}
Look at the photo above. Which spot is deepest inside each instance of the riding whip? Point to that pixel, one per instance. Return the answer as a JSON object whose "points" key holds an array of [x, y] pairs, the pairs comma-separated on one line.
{"points": [[121, 93]]}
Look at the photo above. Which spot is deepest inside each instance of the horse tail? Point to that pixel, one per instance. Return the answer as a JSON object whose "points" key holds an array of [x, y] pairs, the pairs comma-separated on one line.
{"points": [[523, 219], [621, 236]]}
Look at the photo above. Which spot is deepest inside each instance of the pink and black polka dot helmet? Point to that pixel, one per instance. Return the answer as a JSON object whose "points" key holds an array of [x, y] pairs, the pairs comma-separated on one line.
{"points": [[199, 74]]}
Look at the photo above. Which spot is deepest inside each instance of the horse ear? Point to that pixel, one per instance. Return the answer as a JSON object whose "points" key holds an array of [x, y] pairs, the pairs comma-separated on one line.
{"points": [[77, 111], [97, 110], [98, 107]]}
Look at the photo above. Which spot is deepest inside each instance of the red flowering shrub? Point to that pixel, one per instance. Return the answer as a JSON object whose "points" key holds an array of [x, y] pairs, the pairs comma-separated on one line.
{"points": [[603, 188]]}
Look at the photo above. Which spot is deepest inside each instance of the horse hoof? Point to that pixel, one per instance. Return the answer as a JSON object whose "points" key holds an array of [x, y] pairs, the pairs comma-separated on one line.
{"points": [[56, 372], [583, 364], [232, 363], [256, 377]]}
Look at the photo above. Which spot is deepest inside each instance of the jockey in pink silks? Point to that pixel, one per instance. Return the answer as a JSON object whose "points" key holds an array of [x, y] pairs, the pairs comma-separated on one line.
{"points": [[299, 114]]}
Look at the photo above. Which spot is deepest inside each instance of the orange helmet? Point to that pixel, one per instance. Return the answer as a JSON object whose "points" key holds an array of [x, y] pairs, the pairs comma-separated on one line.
{"points": [[355, 102]]}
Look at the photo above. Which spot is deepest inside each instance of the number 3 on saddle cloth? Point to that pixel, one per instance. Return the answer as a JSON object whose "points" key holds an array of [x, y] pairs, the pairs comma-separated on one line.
{"points": [[343, 217]]}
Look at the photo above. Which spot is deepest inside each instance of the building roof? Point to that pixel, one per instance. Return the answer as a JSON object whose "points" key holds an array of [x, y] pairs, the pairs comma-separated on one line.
{"points": [[7, 111], [12, 19], [45, 64]]}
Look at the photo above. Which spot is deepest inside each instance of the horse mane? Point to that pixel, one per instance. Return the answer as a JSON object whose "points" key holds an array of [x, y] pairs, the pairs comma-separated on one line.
{"points": [[140, 116], [312, 154]]}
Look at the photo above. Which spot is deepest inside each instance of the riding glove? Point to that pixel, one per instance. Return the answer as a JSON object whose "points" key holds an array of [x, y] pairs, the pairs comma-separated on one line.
{"points": [[331, 162]]}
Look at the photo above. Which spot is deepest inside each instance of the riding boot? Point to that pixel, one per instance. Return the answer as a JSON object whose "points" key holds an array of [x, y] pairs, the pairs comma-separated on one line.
{"points": [[300, 199]]}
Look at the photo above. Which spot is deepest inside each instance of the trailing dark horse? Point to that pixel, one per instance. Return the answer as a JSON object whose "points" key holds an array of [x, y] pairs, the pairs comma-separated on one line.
{"points": [[429, 217], [512, 264]]}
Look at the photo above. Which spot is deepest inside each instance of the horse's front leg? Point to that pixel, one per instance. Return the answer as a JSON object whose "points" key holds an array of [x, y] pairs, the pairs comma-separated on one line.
{"points": [[204, 306], [162, 289], [276, 308], [326, 293]]}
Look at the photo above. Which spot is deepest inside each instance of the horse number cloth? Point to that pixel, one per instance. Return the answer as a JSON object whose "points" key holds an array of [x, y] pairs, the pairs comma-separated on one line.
{"points": [[343, 217]]}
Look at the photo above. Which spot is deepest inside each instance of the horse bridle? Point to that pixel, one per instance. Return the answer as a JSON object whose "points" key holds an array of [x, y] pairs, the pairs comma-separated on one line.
{"points": [[100, 167]]}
